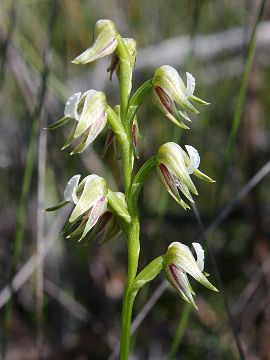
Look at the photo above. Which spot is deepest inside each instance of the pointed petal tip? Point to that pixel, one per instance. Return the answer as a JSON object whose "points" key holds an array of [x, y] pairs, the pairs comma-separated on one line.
{"points": [[183, 126], [75, 61]]}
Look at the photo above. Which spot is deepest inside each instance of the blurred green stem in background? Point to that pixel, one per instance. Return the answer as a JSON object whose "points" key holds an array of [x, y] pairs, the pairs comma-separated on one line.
{"points": [[180, 331], [239, 108]]}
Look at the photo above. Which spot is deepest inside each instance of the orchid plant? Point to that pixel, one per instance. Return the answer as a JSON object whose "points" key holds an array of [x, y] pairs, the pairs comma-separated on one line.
{"points": [[99, 211]]}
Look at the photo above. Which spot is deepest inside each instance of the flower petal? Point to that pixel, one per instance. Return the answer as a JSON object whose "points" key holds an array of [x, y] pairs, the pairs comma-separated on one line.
{"points": [[169, 181], [180, 282], [200, 255], [72, 106], [105, 43], [194, 159], [190, 84], [70, 190], [94, 105], [93, 132], [167, 106], [97, 210]]}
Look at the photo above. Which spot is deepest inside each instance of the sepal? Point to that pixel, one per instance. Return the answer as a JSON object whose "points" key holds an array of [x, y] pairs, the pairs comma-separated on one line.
{"points": [[118, 203], [105, 42]]}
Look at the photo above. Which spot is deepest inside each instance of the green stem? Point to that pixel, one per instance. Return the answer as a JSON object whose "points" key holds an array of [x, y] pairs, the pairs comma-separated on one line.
{"points": [[132, 231], [133, 235], [126, 321]]}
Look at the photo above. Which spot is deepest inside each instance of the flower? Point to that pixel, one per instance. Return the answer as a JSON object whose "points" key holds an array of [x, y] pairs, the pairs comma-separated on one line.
{"points": [[115, 63], [105, 42], [96, 207], [172, 96], [175, 167], [90, 199], [89, 112], [180, 262]]}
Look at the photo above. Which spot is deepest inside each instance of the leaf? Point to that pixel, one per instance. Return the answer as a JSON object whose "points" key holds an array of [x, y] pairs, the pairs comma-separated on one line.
{"points": [[59, 123], [58, 206], [148, 274]]}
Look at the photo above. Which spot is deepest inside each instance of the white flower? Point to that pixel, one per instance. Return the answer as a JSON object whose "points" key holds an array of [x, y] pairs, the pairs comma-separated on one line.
{"points": [[88, 111], [179, 263], [175, 167], [105, 42], [173, 97]]}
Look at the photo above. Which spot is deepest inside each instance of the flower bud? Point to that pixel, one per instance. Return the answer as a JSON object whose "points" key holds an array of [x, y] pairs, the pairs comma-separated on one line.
{"points": [[111, 138], [174, 169], [172, 96], [105, 42], [115, 63], [180, 262]]}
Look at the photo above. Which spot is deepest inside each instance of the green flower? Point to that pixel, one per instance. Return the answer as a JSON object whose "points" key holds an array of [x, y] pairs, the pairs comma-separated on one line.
{"points": [[175, 167], [97, 208], [180, 262], [105, 42], [173, 97], [88, 111]]}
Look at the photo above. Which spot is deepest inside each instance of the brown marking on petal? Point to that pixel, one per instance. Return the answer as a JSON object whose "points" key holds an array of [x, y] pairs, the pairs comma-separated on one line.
{"points": [[164, 99], [168, 177], [113, 66], [106, 47], [135, 139], [173, 270], [102, 223], [105, 218], [109, 140]]}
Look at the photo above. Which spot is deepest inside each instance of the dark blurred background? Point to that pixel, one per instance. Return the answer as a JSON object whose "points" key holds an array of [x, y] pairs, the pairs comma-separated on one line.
{"points": [[62, 300]]}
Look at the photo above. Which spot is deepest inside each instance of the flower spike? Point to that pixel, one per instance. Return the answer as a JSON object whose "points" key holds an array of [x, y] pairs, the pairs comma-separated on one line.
{"points": [[173, 97], [105, 42], [179, 263]]}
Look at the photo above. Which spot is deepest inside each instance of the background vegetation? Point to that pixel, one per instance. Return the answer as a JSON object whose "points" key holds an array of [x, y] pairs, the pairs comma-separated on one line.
{"points": [[63, 300]]}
